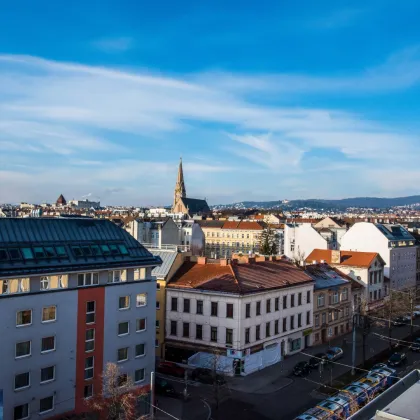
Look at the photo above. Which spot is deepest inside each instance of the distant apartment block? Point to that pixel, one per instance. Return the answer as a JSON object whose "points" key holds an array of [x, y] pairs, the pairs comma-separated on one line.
{"points": [[74, 295]]}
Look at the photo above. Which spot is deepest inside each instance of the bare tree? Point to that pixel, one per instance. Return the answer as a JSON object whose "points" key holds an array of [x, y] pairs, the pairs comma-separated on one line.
{"points": [[299, 257], [118, 398]]}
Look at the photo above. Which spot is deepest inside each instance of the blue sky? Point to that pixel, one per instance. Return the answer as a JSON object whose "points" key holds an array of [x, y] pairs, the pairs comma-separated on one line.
{"points": [[264, 100]]}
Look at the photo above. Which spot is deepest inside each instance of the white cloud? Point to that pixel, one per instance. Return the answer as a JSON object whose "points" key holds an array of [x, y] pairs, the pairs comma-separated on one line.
{"points": [[82, 114]]}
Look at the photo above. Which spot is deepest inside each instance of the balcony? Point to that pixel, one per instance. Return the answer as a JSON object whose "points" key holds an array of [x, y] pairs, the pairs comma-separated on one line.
{"points": [[167, 247]]}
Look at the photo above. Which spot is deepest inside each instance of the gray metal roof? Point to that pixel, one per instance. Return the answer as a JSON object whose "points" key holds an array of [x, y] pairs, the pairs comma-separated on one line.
{"points": [[28, 233], [325, 277], [168, 258]]}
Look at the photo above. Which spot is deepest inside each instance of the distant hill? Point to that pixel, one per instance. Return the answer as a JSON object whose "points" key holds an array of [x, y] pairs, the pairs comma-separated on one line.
{"points": [[360, 202]]}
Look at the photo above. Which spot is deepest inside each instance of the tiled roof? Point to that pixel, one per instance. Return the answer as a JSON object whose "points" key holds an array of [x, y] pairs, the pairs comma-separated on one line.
{"points": [[239, 278], [348, 258], [19, 233], [211, 223], [195, 205], [243, 225], [168, 258]]}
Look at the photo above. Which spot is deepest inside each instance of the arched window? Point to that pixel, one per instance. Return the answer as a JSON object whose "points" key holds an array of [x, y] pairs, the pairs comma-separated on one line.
{"points": [[45, 283]]}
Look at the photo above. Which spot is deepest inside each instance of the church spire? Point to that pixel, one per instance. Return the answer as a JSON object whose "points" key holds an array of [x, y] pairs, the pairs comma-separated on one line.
{"points": [[180, 191]]}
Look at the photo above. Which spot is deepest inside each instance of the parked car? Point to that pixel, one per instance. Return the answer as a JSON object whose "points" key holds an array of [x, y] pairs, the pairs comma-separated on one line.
{"points": [[334, 353], [416, 314], [301, 369], [379, 366], [416, 345], [207, 376], [397, 359], [163, 387], [398, 322], [319, 358], [170, 368]]}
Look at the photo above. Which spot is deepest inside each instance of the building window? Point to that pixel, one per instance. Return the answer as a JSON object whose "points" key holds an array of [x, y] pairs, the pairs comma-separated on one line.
{"points": [[258, 308], [49, 314], [87, 279], [186, 329], [248, 310], [88, 391], [276, 304], [292, 300], [116, 276], [157, 286], [229, 336], [284, 324], [199, 332], [316, 320], [257, 332], [141, 300], [21, 412], [89, 367], [22, 380], [174, 304], [90, 340], [157, 324], [122, 354], [47, 344], [276, 327], [299, 299], [371, 277], [324, 318], [45, 283], [267, 329], [199, 307], [140, 324], [299, 320], [186, 306], [285, 302], [139, 274], [123, 328], [140, 350], [371, 297], [321, 300], [139, 375], [90, 312], [375, 295], [247, 334], [268, 306], [213, 334], [213, 308], [122, 380], [47, 374], [308, 296], [22, 349], [308, 317], [229, 310], [46, 404], [24, 318], [292, 322], [173, 327], [295, 345], [379, 294], [336, 297], [124, 302], [344, 295]]}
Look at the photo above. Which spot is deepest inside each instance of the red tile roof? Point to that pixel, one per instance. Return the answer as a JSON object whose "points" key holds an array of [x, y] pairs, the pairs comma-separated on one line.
{"points": [[349, 258], [239, 278], [243, 225]]}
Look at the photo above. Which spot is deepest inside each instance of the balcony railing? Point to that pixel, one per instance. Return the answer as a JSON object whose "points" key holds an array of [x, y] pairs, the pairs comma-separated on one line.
{"points": [[167, 247]]}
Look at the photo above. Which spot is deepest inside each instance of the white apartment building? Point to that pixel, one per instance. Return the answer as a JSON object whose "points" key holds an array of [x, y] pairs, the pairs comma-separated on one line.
{"points": [[252, 314], [396, 246], [301, 239]]}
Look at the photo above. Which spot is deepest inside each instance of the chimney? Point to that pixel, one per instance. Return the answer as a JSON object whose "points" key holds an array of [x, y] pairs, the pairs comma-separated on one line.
{"points": [[202, 260], [335, 257], [234, 261], [251, 260], [224, 262], [260, 259]]}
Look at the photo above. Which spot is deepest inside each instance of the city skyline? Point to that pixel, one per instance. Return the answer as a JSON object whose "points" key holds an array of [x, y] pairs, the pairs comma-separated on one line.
{"points": [[281, 102]]}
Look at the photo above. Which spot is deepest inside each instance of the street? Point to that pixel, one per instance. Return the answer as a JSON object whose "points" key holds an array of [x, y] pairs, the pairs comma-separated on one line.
{"points": [[274, 393]]}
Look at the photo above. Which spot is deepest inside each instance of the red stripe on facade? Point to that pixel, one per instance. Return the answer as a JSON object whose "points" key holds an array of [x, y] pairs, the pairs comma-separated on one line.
{"points": [[96, 294]]}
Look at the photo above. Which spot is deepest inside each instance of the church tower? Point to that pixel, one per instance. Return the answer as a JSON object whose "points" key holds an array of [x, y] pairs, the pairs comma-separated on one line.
{"points": [[180, 186]]}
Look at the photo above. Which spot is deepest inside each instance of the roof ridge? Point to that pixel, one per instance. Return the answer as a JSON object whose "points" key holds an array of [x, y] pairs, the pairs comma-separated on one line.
{"points": [[235, 278]]}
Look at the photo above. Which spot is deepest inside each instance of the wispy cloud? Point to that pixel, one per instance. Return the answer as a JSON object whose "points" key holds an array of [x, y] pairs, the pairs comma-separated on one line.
{"points": [[340, 18], [82, 114], [114, 45]]}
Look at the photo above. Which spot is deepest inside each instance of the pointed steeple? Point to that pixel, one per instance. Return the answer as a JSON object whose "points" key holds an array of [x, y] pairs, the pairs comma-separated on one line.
{"points": [[180, 191]]}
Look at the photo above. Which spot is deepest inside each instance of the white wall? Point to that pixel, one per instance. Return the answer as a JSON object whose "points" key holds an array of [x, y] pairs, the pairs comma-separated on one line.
{"points": [[306, 239]]}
